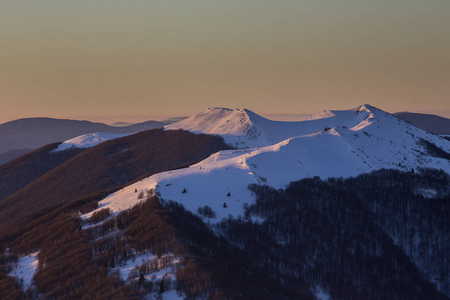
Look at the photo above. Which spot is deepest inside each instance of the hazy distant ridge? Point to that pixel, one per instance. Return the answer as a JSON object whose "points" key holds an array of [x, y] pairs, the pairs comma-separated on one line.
{"points": [[432, 123], [32, 133]]}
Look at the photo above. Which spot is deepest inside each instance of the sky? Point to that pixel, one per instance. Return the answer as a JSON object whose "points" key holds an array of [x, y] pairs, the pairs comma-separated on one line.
{"points": [[135, 60]]}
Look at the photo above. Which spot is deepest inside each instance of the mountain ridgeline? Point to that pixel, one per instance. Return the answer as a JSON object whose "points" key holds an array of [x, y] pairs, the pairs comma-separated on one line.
{"points": [[431, 123], [11, 154], [19, 172], [110, 164], [350, 205], [31, 133]]}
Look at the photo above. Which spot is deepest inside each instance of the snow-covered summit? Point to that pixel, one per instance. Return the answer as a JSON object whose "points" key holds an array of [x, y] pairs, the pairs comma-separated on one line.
{"points": [[242, 128], [235, 126], [342, 143]]}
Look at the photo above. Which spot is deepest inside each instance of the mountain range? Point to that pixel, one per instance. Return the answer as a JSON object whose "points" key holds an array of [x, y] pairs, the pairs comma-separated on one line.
{"points": [[24, 135], [432, 123], [346, 143], [226, 204]]}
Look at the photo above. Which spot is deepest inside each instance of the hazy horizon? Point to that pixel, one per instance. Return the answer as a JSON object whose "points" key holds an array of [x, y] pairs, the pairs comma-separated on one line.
{"points": [[135, 60], [137, 119]]}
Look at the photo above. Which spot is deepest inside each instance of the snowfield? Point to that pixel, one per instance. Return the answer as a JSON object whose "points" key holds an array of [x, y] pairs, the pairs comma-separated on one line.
{"points": [[89, 140], [25, 269], [340, 144]]}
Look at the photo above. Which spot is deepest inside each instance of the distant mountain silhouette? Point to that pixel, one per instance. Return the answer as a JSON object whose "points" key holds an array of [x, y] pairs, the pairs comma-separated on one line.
{"points": [[32, 133], [121, 124], [432, 123]]}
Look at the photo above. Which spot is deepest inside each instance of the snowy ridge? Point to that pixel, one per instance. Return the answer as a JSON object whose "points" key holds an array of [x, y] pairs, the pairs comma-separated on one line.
{"points": [[242, 128], [89, 140], [234, 126], [343, 143]]}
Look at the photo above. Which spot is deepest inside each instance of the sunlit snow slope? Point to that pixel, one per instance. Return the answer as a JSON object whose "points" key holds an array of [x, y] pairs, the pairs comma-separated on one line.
{"points": [[242, 128], [343, 143], [89, 140]]}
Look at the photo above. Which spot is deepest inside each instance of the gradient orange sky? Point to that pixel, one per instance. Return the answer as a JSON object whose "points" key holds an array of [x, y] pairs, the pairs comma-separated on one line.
{"points": [[110, 60]]}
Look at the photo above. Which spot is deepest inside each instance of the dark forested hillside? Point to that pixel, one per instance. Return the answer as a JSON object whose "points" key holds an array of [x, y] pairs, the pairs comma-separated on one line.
{"points": [[78, 260], [110, 164], [19, 172], [372, 237], [382, 235], [11, 154]]}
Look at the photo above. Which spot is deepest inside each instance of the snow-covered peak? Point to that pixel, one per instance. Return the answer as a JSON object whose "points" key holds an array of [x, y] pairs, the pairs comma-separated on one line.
{"points": [[365, 108], [89, 140], [341, 143], [221, 121], [235, 126], [242, 128]]}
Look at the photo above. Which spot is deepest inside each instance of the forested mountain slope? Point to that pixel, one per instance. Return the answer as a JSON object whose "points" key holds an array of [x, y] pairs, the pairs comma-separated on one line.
{"points": [[21, 171], [110, 164], [335, 239], [368, 237], [11, 154]]}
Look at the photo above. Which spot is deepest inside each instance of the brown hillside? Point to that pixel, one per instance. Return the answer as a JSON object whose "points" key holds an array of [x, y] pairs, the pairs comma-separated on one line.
{"points": [[110, 164], [12, 154], [19, 172], [77, 263]]}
